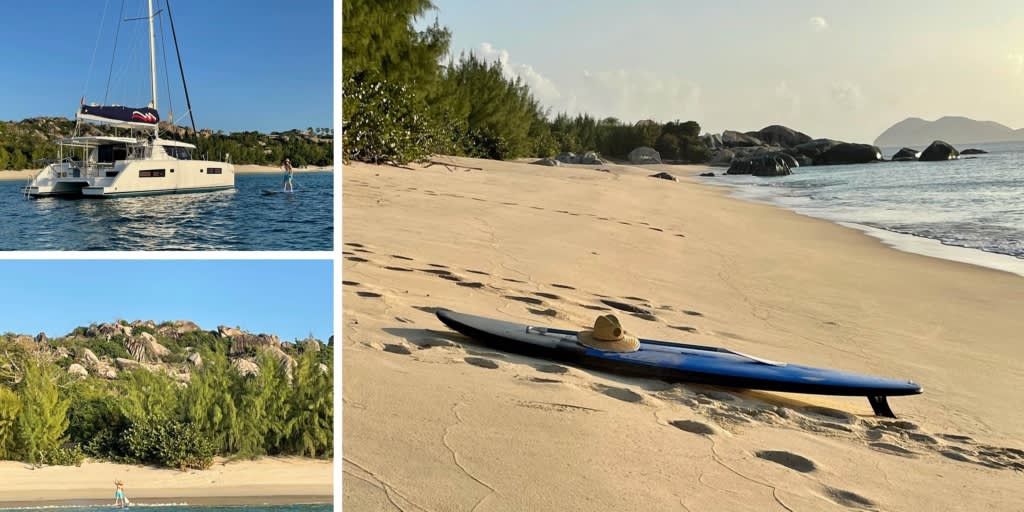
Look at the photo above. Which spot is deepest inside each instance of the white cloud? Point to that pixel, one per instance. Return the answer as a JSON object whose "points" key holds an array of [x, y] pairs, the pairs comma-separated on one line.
{"points": [[641, 94], [1016, 62], [848, 94], [785, 93], [817, 23], [542, 88]]}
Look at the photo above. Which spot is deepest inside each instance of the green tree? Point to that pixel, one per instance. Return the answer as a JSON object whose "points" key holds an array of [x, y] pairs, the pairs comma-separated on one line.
{"points": [[311, 422], [668, 146], [210, 404], [43, 420], [10, 405]]}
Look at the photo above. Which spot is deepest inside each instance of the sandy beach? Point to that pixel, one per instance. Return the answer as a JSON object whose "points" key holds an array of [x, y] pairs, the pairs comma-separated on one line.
{"points": [[22, 175], [268, 480], [434, 420]]}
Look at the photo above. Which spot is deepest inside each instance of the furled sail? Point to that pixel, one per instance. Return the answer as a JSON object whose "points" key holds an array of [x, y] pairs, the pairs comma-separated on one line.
{"points": [[120, 116]]}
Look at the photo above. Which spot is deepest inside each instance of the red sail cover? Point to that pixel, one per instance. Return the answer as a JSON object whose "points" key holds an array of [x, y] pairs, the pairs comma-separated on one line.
{"points": [[120, 115]]}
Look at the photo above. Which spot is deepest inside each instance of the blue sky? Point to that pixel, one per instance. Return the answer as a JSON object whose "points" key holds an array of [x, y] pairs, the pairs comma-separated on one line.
{"points": [[255, 65], [290, 298], [844, 70]]}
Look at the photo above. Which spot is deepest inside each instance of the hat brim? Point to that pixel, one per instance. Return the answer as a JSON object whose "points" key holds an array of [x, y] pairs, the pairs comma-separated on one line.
{"points": [[627, 343]]}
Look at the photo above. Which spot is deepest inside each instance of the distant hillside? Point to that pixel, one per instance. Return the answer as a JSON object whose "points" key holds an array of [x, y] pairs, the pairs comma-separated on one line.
{"points": [[955, 130], [24, 144]]}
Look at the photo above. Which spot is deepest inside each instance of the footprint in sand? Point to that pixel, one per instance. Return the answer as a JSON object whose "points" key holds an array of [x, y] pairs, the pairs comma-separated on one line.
{"points": [[350, 283], [510, 204], [693, 313], [680, 235], [832, 414], [369, 294], [596, 308], [509, 279], [950, 454], [848, 499], [357, 259], [437, 265], [399, 269], [435, 271], [528, 300], [481, 362], [562, 286], [543, 312], [450, 277], [397, 349], [623, 394], [354, 244], [551, 368], [542, 380], [348, 253], [788, 459], [629, 308], [479, 272], [922, 438], [473, 284], [400, 257], [640, 299], [547, 295], [651, 317], [957, 438], [694, 427], [363, 250], [892, 449], [684, 328], [657, 229]]}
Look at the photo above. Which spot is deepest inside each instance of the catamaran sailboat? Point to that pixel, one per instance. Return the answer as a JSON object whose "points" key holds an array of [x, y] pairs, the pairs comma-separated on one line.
{"points": [[135, 165]]}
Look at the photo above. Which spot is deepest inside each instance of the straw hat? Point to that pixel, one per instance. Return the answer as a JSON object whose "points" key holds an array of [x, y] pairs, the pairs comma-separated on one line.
{"points": [[609, 336]]}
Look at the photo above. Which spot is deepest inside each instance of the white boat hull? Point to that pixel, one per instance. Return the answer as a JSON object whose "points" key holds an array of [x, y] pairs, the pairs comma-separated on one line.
{"points": [[135, 178]]}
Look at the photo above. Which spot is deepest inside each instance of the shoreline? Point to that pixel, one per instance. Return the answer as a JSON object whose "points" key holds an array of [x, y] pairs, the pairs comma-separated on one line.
{"points": [[268, 480], [903, 242]]}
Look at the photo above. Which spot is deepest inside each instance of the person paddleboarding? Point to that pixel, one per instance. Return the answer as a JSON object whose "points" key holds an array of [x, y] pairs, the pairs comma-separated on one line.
{"points": [[120, 500], [288, 185]]}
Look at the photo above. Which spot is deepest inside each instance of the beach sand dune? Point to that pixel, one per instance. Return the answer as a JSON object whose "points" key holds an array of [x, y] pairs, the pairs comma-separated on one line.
{"points": [[438, 421]]}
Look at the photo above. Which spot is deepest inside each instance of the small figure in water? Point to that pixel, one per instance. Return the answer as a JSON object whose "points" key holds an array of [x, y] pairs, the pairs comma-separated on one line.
{"points": [[120, 500], [288, 185]]}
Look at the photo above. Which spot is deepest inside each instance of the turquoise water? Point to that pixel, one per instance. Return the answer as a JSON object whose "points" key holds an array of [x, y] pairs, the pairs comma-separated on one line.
{"points": [[238, 220], [976, 203], [186, 508]]}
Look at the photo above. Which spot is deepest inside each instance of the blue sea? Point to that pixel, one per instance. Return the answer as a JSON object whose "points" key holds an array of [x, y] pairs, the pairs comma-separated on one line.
{"points": [[969, 210], [232, 220]]}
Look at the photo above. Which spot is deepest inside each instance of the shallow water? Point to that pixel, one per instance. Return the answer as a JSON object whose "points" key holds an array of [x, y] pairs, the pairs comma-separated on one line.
{"points": [[240, 220], [974, 203]]}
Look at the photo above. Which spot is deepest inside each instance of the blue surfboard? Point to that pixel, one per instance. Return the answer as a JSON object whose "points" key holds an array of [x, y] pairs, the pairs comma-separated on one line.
{"points": [[678, 362]]}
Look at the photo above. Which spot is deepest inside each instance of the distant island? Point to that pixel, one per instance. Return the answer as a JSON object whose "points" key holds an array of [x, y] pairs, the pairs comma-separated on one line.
{"points": [[915, 131]]}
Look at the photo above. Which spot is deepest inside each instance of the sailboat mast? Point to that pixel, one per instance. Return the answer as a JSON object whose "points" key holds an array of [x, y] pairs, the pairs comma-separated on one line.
{"points": [[152, 60]]}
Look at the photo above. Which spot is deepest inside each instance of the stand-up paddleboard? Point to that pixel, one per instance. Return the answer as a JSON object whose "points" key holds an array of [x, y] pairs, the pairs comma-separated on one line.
{"points": [[680, 362], [270, 192]]}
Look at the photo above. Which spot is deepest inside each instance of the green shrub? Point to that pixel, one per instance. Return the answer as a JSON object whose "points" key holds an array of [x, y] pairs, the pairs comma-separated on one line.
{"points": [[10, 405], [386, 122], [71, 455], [173, 444]]}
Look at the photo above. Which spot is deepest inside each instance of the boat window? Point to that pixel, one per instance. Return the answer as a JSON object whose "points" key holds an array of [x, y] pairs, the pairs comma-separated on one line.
{"points": [[178, 152], [152, 173], [109, 153], [213, 170]]}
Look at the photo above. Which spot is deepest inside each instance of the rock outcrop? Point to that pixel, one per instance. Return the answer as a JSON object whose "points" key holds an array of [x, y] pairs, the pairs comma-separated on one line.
{"points": [[78, 371], [550, 162], [778, 135], [591, 158], [88, 358], [664, 176], [732, 139], [938, 151], [722, 158], [905, 155], [245, 367], [973, 151], [849, 153], [773, 164], [644, 155]]}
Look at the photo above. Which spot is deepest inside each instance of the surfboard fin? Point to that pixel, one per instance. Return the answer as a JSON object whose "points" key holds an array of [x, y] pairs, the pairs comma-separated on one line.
{"points": [[880, 405]]}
